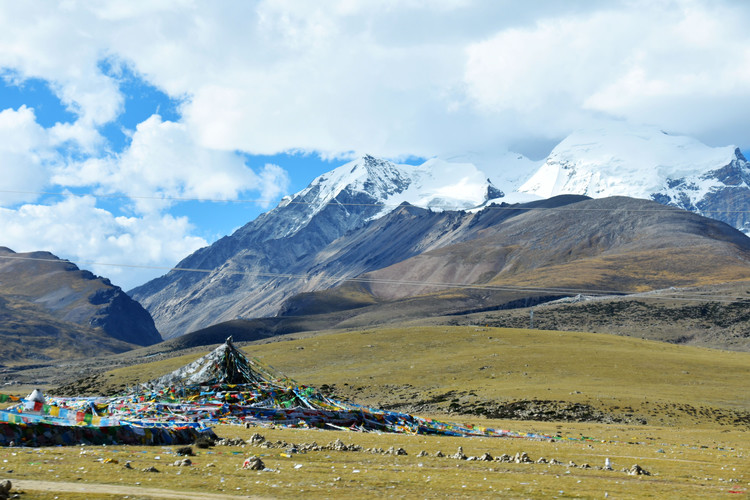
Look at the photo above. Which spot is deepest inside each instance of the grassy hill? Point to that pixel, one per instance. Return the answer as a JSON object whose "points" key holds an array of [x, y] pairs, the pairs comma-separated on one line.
{"points": [[502, 373]]}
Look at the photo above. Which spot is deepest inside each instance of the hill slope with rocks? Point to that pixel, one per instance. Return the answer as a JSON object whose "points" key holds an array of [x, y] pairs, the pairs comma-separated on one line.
{"points": [[52, 309]]}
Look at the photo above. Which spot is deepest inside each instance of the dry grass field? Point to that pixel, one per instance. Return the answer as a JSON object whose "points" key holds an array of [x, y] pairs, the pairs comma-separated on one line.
{"points": [[679, 412]]}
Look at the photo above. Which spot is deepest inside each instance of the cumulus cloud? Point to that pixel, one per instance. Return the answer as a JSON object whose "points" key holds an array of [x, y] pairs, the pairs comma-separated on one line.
{"points": [[397, 78], [163, 164], [25, 156], [76, 229], [678, 65]]}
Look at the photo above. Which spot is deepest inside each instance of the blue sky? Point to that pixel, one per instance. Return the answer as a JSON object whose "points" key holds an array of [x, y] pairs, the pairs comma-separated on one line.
{"points": [[131, 107]]}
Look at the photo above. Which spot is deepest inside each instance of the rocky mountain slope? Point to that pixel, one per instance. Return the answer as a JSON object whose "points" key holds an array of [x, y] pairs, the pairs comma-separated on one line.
{"points": [[308, 241], [500, 258], [251, 272], [50, 306]]}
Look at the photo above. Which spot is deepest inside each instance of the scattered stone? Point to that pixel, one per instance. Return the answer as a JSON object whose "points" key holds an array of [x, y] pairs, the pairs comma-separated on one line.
{"points": [[555, 462], [150, 469], [395, 451], [338, 445], [231, 442], [378, 451], [439, 454], [504, 458], [521, 458], [5, 486], [584, 466], [459, 455], [637, 470], [256, 439], [572, 464], [253, 463], [422, 454], [185, 462], [309, 446], [541, 460], [185, 451], [485, 458]]}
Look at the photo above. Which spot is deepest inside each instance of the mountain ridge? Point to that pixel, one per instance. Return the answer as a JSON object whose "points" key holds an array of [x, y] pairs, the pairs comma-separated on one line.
{"points": [[52, 308], [252, 272]]}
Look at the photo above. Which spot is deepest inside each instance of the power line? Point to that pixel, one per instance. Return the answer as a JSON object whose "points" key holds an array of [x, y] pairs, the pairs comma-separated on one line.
{"points": [[672, 295], [262, 201]]}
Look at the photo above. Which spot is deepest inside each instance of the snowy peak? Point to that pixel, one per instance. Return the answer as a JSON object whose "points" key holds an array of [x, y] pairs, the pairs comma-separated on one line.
{"points": [[435, 184], [623, 160], [378, 178]]}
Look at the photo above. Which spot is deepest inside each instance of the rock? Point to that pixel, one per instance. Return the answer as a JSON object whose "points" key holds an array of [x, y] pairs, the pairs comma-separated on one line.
{"points": [[127, 465], [338, 445], [253, 463], [459, 455], [150, 469], [572, 464], [485, 458], [504, 458], [521, 458], [541, 460], [554, 462], [607, 464], [439, 454], [5, 486], [256, 439], [584, 466], [183, 463], [422, 454], [396, 451], [637, 470]]}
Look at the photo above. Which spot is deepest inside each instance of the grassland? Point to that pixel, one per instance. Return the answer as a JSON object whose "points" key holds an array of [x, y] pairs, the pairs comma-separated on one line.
{"points": [[683, 463], [694, 401]]}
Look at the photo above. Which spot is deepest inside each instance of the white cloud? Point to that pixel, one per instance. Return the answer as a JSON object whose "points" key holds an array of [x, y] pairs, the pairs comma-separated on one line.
{"points": [[678, 65], [24, 156], [75, 229], [164, 161], [397, 78]]}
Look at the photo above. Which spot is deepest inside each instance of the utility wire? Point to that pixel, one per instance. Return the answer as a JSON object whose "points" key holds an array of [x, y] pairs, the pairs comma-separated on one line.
{"points": [[676, 295], [447, 207]]}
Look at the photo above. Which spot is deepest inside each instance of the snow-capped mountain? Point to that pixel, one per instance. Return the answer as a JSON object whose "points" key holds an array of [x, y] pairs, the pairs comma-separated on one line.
{"points": [[253, 271], [644, 162], [435, 184], [285, 240]]}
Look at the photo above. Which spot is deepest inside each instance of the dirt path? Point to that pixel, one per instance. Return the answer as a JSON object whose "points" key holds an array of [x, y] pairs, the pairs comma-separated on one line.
{"points": [[116, 489]]}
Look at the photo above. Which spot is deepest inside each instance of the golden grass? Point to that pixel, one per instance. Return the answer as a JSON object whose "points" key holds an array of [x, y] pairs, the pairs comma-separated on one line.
{"points": [[683, 464], [662, 383], [694, 456]]}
